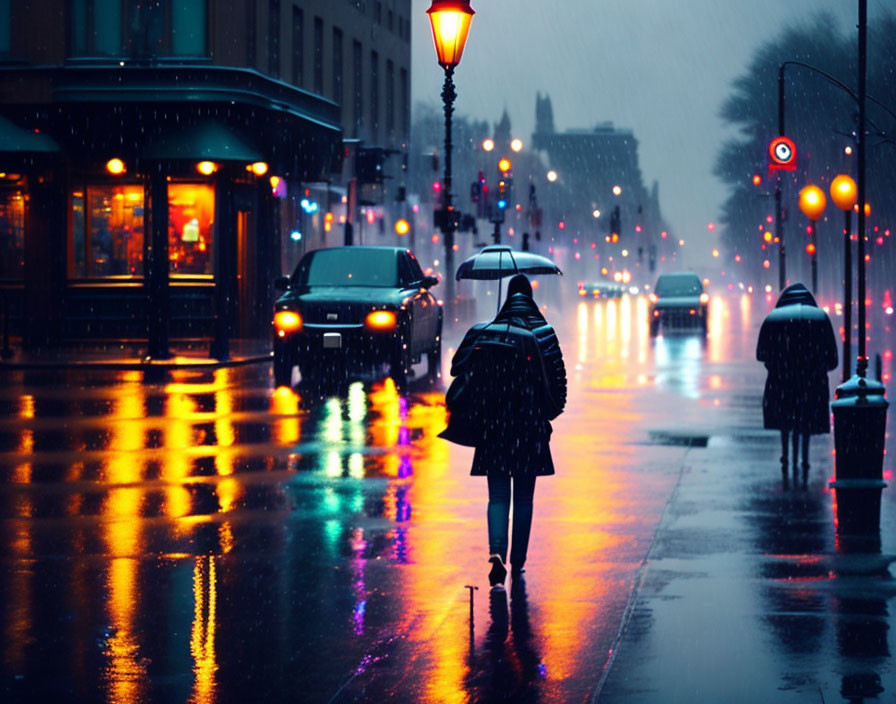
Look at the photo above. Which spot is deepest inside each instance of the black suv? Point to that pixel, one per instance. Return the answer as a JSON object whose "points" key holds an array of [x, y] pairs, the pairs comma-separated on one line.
{"points": [[356, 308], [678, 301]]}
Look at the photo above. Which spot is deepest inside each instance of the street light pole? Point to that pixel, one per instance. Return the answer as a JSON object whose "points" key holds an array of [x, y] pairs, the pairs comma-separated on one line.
{"points": [[843, 193], [779, 225], [862, 357], [450, 20], [449, 223]]}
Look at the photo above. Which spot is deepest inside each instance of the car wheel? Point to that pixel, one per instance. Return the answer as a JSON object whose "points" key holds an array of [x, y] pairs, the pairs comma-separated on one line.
{"points": [[283, 365], [310, 373], [282, 374]]}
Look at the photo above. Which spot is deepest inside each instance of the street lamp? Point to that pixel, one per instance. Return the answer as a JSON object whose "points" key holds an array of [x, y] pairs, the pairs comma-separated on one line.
{"points": [[812, 203], [844, 195], [450, 21]]}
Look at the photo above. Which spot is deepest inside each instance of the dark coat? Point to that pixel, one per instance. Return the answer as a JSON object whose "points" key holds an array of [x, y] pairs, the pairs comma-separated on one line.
{"points": [[525, 448], [797, 345]]}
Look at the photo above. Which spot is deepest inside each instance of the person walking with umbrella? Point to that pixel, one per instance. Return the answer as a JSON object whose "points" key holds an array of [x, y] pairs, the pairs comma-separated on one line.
{"points": [[510, 383], [797, 345]]}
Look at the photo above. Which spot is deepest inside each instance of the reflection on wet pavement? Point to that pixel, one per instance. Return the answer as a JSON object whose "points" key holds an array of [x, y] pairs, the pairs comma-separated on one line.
{"points": [[206, 538]]}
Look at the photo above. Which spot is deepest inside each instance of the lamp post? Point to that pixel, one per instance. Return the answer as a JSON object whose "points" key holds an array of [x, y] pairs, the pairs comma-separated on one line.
{"points": [[843, 193], [812, 203], [450, 20]]}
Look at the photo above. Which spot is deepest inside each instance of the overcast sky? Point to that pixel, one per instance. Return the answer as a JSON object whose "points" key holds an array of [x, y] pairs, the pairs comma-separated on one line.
{"points": [[659, 67]]}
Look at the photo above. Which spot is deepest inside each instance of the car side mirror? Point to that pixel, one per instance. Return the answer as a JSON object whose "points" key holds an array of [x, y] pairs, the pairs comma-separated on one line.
{"points": [[429, 281], [281, 283]]}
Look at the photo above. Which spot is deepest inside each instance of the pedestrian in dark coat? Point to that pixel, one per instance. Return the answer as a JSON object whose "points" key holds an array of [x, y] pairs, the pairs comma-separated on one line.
{"points": [[798, 347], [517, 451]]}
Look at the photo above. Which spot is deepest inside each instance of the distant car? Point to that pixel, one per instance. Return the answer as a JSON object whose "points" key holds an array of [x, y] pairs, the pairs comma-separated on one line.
{"points": [[678, 301], [600, 289], [356, 308]]}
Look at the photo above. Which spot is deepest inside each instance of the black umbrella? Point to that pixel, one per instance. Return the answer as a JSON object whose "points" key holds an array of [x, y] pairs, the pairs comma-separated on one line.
{"points": [[498, 261]]}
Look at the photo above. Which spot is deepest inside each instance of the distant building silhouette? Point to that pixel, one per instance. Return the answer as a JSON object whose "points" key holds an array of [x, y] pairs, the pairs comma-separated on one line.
{"points": [[590, 163]]}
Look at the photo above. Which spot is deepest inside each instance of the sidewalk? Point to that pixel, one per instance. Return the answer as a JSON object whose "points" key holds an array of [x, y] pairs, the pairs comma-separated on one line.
{"points": [[193, 354], [747, 595]]}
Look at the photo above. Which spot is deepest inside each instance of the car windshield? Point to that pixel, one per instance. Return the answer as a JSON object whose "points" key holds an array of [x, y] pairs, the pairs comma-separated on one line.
{"points": [[678, 286], [348, 267]]}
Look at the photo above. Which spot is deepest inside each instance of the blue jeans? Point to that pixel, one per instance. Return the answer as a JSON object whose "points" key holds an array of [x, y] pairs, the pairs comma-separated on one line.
{"points": [[499, 516]]}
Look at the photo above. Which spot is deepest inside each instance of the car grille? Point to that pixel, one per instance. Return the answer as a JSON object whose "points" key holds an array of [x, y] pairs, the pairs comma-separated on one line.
{"points": [[681, 318], [334, 313]]}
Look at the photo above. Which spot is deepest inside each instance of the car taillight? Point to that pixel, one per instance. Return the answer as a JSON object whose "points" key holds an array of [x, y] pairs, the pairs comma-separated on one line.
{"points": [[286, 321], [653, 298], [704, 298], [380, 320], [582, 292]]}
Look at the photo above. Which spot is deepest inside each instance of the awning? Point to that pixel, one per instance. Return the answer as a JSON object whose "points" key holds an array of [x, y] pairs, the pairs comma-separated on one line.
{"points": [[206, 141], [15, 140]]}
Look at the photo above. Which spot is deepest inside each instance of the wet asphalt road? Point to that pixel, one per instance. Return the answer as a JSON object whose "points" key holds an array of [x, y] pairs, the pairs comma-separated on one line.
{"points": [[206, 538]]}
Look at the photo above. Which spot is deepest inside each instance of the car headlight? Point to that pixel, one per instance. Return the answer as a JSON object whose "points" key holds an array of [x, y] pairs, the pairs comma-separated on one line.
{"points": [[287, 321], [704, 298], [381, 320], [653, 298]]}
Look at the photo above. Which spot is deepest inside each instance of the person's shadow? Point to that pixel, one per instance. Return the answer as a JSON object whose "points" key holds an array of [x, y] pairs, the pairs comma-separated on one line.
{"points": [[507, 669]]}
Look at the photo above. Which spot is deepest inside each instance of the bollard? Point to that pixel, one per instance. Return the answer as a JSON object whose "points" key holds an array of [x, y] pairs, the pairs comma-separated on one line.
{"points": [[860, 417]]}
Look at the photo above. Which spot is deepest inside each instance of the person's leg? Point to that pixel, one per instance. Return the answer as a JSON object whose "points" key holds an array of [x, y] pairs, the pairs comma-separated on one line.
{"points": [[806, 437], [498, 514], [523, 492], [796, 448], [784, 449]]}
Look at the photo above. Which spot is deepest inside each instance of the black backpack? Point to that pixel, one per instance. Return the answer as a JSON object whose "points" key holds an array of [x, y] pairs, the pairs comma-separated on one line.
{"points": [[499, 391]]}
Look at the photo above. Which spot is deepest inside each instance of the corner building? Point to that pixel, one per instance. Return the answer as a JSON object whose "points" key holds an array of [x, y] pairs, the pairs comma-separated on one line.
{"points": [[151, 153]]}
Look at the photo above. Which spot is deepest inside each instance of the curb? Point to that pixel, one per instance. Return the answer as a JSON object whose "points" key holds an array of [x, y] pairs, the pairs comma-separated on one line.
{"points": [[138, 365]]}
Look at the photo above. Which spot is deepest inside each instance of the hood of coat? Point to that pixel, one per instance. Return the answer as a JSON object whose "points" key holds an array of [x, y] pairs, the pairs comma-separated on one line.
{"points": [[523, 307], [795, 293]]}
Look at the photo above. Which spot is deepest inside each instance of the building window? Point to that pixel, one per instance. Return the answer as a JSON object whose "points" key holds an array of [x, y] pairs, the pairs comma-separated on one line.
{"points": [[274, 38], [145, 28], [107, 234], [374, 95], [389, 20], [104, 36], [5, 24], [298, 46], [358, 84], [318, 56], [390, 97], [405, 104], [188, 28], [12, 234], [191, 216], [379, 12], [337, 65], [137, 28]]}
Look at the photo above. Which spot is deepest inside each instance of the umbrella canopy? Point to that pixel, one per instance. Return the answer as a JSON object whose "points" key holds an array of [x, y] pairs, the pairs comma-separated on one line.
{"points": [[498, 261]]}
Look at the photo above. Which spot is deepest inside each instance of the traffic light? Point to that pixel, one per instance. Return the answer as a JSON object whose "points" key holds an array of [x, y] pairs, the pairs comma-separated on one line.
{"points": [[615, 224], [503, 196]]}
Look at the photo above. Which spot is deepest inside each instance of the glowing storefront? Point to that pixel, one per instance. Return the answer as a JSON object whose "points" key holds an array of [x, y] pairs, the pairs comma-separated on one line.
{"points": [[139, 205]]}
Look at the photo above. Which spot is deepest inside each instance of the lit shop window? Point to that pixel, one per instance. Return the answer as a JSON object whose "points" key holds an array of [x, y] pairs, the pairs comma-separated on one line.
{"points": [[191, 212], [12, 234], [107, 235]]}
